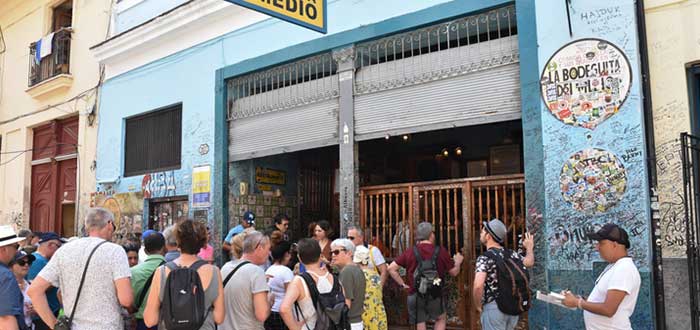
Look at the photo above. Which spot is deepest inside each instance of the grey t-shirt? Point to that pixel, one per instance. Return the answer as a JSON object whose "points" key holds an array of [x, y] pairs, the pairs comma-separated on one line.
{"points": [[98, 305], [238, 295], [353, 280]]}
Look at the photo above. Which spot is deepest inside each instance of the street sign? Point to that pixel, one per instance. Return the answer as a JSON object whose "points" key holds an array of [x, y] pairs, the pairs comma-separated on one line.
{"points": [[310, 14]]}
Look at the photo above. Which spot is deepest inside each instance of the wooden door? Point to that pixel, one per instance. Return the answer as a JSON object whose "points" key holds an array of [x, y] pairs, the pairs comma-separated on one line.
{"points": [[42, 200]]}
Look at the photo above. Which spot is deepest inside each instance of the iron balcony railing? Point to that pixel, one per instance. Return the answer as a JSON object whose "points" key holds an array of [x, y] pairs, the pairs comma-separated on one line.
{"points": [[56, 63]]}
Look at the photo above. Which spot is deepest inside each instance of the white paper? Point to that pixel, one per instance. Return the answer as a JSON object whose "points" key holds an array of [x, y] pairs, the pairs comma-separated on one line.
{"points": [[552, 298]]}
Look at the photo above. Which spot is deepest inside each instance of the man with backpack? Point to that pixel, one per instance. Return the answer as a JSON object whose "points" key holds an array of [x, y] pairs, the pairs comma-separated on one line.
{"points": [[427, 264], [501, 285], [245, 286], [142, 274], [352, 278]]}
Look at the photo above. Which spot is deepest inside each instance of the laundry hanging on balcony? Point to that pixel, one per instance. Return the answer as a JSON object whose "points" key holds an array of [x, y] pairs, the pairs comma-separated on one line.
{"points": [[44, 47]]}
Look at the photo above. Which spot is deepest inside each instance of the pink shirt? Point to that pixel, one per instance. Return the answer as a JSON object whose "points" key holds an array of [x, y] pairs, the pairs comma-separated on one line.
{"points": [[206, 253]]}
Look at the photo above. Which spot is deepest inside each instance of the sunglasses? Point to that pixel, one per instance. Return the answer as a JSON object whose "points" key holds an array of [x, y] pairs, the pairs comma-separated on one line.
{"points": [[23, 263], [351, 238], [337, 252]]}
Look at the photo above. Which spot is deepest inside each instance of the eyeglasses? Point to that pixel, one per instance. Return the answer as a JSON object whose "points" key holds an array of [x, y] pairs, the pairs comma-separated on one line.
{"points": [[58, 245], [351, 238], [337, 252], [23, 263]]}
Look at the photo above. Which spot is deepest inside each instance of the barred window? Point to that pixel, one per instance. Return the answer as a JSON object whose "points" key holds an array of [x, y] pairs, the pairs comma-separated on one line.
{"points": [[153, 141]]}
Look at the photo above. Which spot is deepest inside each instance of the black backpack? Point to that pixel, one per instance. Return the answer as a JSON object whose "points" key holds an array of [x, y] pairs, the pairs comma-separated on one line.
{"points": [[183, 307], [513, 283], [426, 278], [331, 310]]}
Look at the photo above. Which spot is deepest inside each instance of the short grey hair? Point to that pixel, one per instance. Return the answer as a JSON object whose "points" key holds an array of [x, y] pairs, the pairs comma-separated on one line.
{"points": [[357, 229], [170, 236], [97, 218], [424, 230], [345, 244], [252, 240]]}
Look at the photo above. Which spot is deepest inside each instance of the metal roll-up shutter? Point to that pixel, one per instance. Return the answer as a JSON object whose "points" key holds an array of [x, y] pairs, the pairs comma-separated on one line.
{"points": [[487, 96], [299, 128], [287, 108]]}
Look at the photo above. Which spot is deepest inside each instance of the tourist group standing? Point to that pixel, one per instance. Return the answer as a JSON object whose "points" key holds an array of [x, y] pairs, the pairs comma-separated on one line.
{"points": [[167, 280]]}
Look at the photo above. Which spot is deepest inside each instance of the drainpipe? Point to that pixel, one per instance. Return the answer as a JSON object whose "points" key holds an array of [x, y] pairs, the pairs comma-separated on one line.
{"points": [[656, 256]]}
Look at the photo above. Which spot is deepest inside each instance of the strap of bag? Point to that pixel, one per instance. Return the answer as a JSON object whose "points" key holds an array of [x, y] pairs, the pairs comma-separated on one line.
{"points": [[299, 312], [234, 271], [311, 285], [82, 281], [147, 286], [436, 253]]}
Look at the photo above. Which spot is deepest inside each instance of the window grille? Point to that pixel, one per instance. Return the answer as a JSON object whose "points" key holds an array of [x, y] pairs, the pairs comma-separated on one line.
{"points": [[302, 82], [153, 141], [439, 51]]}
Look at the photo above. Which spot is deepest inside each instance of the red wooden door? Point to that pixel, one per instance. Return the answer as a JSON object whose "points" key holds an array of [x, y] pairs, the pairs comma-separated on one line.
{"points": [[43, 203]]}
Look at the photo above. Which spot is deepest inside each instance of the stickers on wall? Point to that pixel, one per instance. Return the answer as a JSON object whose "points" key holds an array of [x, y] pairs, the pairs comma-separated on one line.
{"points": [[586, 82], [593, 180]]}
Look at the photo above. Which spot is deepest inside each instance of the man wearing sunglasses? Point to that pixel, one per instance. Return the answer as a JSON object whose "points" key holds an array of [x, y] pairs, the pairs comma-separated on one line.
{"points": [[376, 258], [48, 245], [11, 300]]}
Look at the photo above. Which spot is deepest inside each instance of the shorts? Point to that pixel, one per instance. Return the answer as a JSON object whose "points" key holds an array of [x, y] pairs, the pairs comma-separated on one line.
{"points": [[421, 310], [493, 319]]}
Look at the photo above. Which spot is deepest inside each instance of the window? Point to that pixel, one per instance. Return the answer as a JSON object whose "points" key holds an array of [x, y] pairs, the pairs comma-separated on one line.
{"points": [[152, 141], [694, 97], [62, 16]]}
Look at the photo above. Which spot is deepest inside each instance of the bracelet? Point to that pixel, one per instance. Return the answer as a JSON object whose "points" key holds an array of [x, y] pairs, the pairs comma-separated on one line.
{"points": [[579, 302]]}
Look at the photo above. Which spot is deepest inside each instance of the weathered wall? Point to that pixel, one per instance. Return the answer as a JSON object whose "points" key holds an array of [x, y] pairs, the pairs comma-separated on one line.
{"points": [[673, 37], [584, 155], [23, 22]]}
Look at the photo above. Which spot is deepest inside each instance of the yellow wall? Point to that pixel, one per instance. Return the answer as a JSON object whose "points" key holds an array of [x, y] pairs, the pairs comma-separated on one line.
{"points": [[23, 22], [673, 32]]}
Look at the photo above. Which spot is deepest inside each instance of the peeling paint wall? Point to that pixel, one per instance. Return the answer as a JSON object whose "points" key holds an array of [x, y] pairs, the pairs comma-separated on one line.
{"points": [[674, 41]]}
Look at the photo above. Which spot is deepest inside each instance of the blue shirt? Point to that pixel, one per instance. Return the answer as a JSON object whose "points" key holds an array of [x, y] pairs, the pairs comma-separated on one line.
{"points": [[172, 255], [52, 293], [11, 299], [233, 232]]}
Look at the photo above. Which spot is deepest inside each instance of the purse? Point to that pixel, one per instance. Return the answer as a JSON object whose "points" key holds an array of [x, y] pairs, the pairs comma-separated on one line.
{"points": [[64, 322]]}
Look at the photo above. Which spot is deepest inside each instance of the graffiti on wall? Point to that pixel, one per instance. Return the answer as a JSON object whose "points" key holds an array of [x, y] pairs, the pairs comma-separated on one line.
{"points": [[159, 184], [593, 181], [128, 213], [671, 198], [586, 82]]}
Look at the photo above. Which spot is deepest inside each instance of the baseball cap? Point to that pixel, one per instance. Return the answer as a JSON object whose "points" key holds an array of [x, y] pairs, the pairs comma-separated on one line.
{"points": [[22, 254], [249, 217], [48, 236], [147, 233], [496, 229], [611, 232], [8, 236]]}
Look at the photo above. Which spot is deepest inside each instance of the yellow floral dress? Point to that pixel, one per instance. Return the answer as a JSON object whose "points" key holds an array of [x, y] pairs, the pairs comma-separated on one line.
{"points": [[374, 316]]}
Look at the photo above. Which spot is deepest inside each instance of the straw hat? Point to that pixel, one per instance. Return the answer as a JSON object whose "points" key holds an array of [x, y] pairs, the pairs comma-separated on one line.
{"points": [[8, 236]]}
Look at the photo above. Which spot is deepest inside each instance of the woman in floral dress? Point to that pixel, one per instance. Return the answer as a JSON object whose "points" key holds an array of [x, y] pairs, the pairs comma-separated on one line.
{"points": [[374, 315]]}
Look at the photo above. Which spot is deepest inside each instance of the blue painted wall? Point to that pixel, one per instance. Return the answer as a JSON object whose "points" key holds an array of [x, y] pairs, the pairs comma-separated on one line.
{"points": [[570, 260]]}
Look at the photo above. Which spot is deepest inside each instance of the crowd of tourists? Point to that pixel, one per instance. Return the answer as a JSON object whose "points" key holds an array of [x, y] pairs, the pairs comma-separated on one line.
{"points": [[168, 280]]}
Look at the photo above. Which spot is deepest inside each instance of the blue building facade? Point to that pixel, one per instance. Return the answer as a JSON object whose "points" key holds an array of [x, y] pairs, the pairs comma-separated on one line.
{"points": [[585, 164]]}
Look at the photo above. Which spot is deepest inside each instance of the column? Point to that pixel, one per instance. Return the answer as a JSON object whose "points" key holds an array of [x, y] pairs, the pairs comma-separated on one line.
{"points": [[345, 58]]}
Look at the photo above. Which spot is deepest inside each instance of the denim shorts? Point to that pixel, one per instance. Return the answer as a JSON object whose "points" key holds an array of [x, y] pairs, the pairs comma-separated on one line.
{"points": [[493, 319]]}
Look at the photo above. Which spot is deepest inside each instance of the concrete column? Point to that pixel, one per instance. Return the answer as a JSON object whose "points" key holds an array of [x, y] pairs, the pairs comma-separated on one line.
{"points": [[345, 58]]}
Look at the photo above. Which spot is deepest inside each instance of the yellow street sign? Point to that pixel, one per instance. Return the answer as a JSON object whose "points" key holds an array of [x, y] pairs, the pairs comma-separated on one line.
{"points": [[307, 13]]}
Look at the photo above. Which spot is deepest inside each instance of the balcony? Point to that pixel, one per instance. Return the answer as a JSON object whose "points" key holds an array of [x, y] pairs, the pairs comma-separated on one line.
{"points": [[55, 65]]}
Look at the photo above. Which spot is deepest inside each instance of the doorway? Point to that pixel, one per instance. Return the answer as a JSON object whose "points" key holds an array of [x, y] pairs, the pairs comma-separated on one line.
{"points": [[165, 212]]}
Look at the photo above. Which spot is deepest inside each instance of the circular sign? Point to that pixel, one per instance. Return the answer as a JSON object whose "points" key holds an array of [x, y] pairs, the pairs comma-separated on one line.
{"points": [[593, 180], [586, 82]]}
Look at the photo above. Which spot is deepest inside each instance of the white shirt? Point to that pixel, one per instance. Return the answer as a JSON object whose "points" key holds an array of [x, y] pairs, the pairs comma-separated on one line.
{"points": [[277, 277], [623, 276]]}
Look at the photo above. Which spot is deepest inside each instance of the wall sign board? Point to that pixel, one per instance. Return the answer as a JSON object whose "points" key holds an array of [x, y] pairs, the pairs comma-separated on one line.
{"points": [[310, 14]]}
